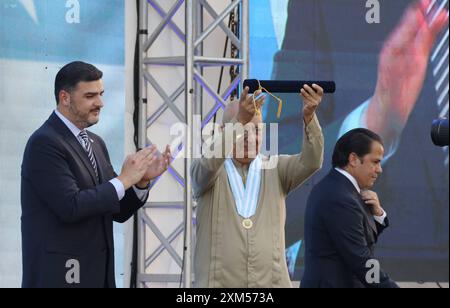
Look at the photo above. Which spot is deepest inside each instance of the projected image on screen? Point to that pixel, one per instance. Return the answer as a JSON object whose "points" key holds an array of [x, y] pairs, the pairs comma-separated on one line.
{"points": [[389, 82]]}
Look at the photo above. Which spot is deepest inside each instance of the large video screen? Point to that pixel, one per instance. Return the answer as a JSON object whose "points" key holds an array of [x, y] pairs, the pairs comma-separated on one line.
{"points": [[391, 73]]}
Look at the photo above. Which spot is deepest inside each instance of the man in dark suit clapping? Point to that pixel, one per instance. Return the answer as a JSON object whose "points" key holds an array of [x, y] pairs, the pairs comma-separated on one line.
{"points": [[70, 192]]}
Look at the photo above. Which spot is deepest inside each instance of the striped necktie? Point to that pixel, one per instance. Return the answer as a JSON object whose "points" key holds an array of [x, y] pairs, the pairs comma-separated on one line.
{"points": [[439, 60], [86, 142]]}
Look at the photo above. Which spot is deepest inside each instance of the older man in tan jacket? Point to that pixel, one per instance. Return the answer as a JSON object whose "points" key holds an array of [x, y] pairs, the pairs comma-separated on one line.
{"points": [[241, 200]]}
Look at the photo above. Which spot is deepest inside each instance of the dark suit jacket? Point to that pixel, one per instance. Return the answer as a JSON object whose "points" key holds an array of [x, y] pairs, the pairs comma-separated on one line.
{"points": [[340, 237], [67, 214]]}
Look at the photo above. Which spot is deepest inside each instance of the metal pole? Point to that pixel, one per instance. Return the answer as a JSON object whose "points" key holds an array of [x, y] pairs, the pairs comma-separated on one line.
{"points": [[198, 11], [190, 95], [244, 21], [142, 133]]}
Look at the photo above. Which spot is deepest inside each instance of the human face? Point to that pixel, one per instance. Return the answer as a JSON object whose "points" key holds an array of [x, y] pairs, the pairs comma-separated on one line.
{"points": [[252, 142], [367, 169], [83, 104]]}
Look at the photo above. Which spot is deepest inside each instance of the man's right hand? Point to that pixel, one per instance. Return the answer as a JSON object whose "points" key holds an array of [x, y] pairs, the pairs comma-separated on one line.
{"points": [[135, 166], [247, 107], [402, 69]]}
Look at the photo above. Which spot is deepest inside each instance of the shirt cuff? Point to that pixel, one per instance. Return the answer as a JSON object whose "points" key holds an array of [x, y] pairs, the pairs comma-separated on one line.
{"points": [[120, 189], [381, 219], [356, 119], [141, 193]]}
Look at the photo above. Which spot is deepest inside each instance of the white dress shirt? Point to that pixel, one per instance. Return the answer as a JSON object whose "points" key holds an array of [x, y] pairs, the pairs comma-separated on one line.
{"points": [[118, 185], [380, 219]]}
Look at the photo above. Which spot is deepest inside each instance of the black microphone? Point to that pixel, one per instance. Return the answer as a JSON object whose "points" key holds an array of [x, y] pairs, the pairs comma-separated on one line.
{"points": [[287, 86]]}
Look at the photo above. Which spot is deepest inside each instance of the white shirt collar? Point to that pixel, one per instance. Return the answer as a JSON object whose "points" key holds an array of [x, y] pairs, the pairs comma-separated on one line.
{"points": [[350, 177], [75, 130]]}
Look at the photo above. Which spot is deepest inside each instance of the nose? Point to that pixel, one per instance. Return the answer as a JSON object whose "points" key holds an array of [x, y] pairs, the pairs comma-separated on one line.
{"points": [[379, 169], [100, 103]]}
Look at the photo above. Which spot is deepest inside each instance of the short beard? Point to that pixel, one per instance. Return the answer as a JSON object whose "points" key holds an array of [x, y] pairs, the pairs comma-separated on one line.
{"points": [[78, 117]]}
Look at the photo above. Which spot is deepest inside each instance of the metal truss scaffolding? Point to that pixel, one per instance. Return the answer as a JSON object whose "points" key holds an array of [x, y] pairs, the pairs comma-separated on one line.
{"points": [[204, 32]]}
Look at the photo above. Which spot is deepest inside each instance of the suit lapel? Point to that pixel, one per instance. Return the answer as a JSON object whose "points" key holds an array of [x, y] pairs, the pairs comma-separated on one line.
{"points": [[72, 141], [76, 146], [102, 162], [358, 199], [367, 213]]}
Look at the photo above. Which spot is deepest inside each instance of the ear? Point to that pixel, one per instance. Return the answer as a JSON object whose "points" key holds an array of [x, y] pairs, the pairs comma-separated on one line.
{"points": [[353, 160], [64, 98]]}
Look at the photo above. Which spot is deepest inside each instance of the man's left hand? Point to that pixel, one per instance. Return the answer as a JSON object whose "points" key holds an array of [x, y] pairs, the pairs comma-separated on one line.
{"points": [[371, 200], [159, 165], [312, 97]]}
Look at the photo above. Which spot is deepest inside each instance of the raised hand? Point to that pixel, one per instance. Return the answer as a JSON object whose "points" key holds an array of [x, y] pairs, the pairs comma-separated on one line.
{"points": [[402, 69], [248, 107], [312, 97]]}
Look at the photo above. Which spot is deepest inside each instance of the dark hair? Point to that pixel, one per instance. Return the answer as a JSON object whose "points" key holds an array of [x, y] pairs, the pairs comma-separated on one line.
{"points": [[358, 141], [73, 73]]}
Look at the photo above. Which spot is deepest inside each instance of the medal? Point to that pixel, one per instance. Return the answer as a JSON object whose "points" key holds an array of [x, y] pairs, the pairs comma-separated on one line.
{"points": [[248, 224]]}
